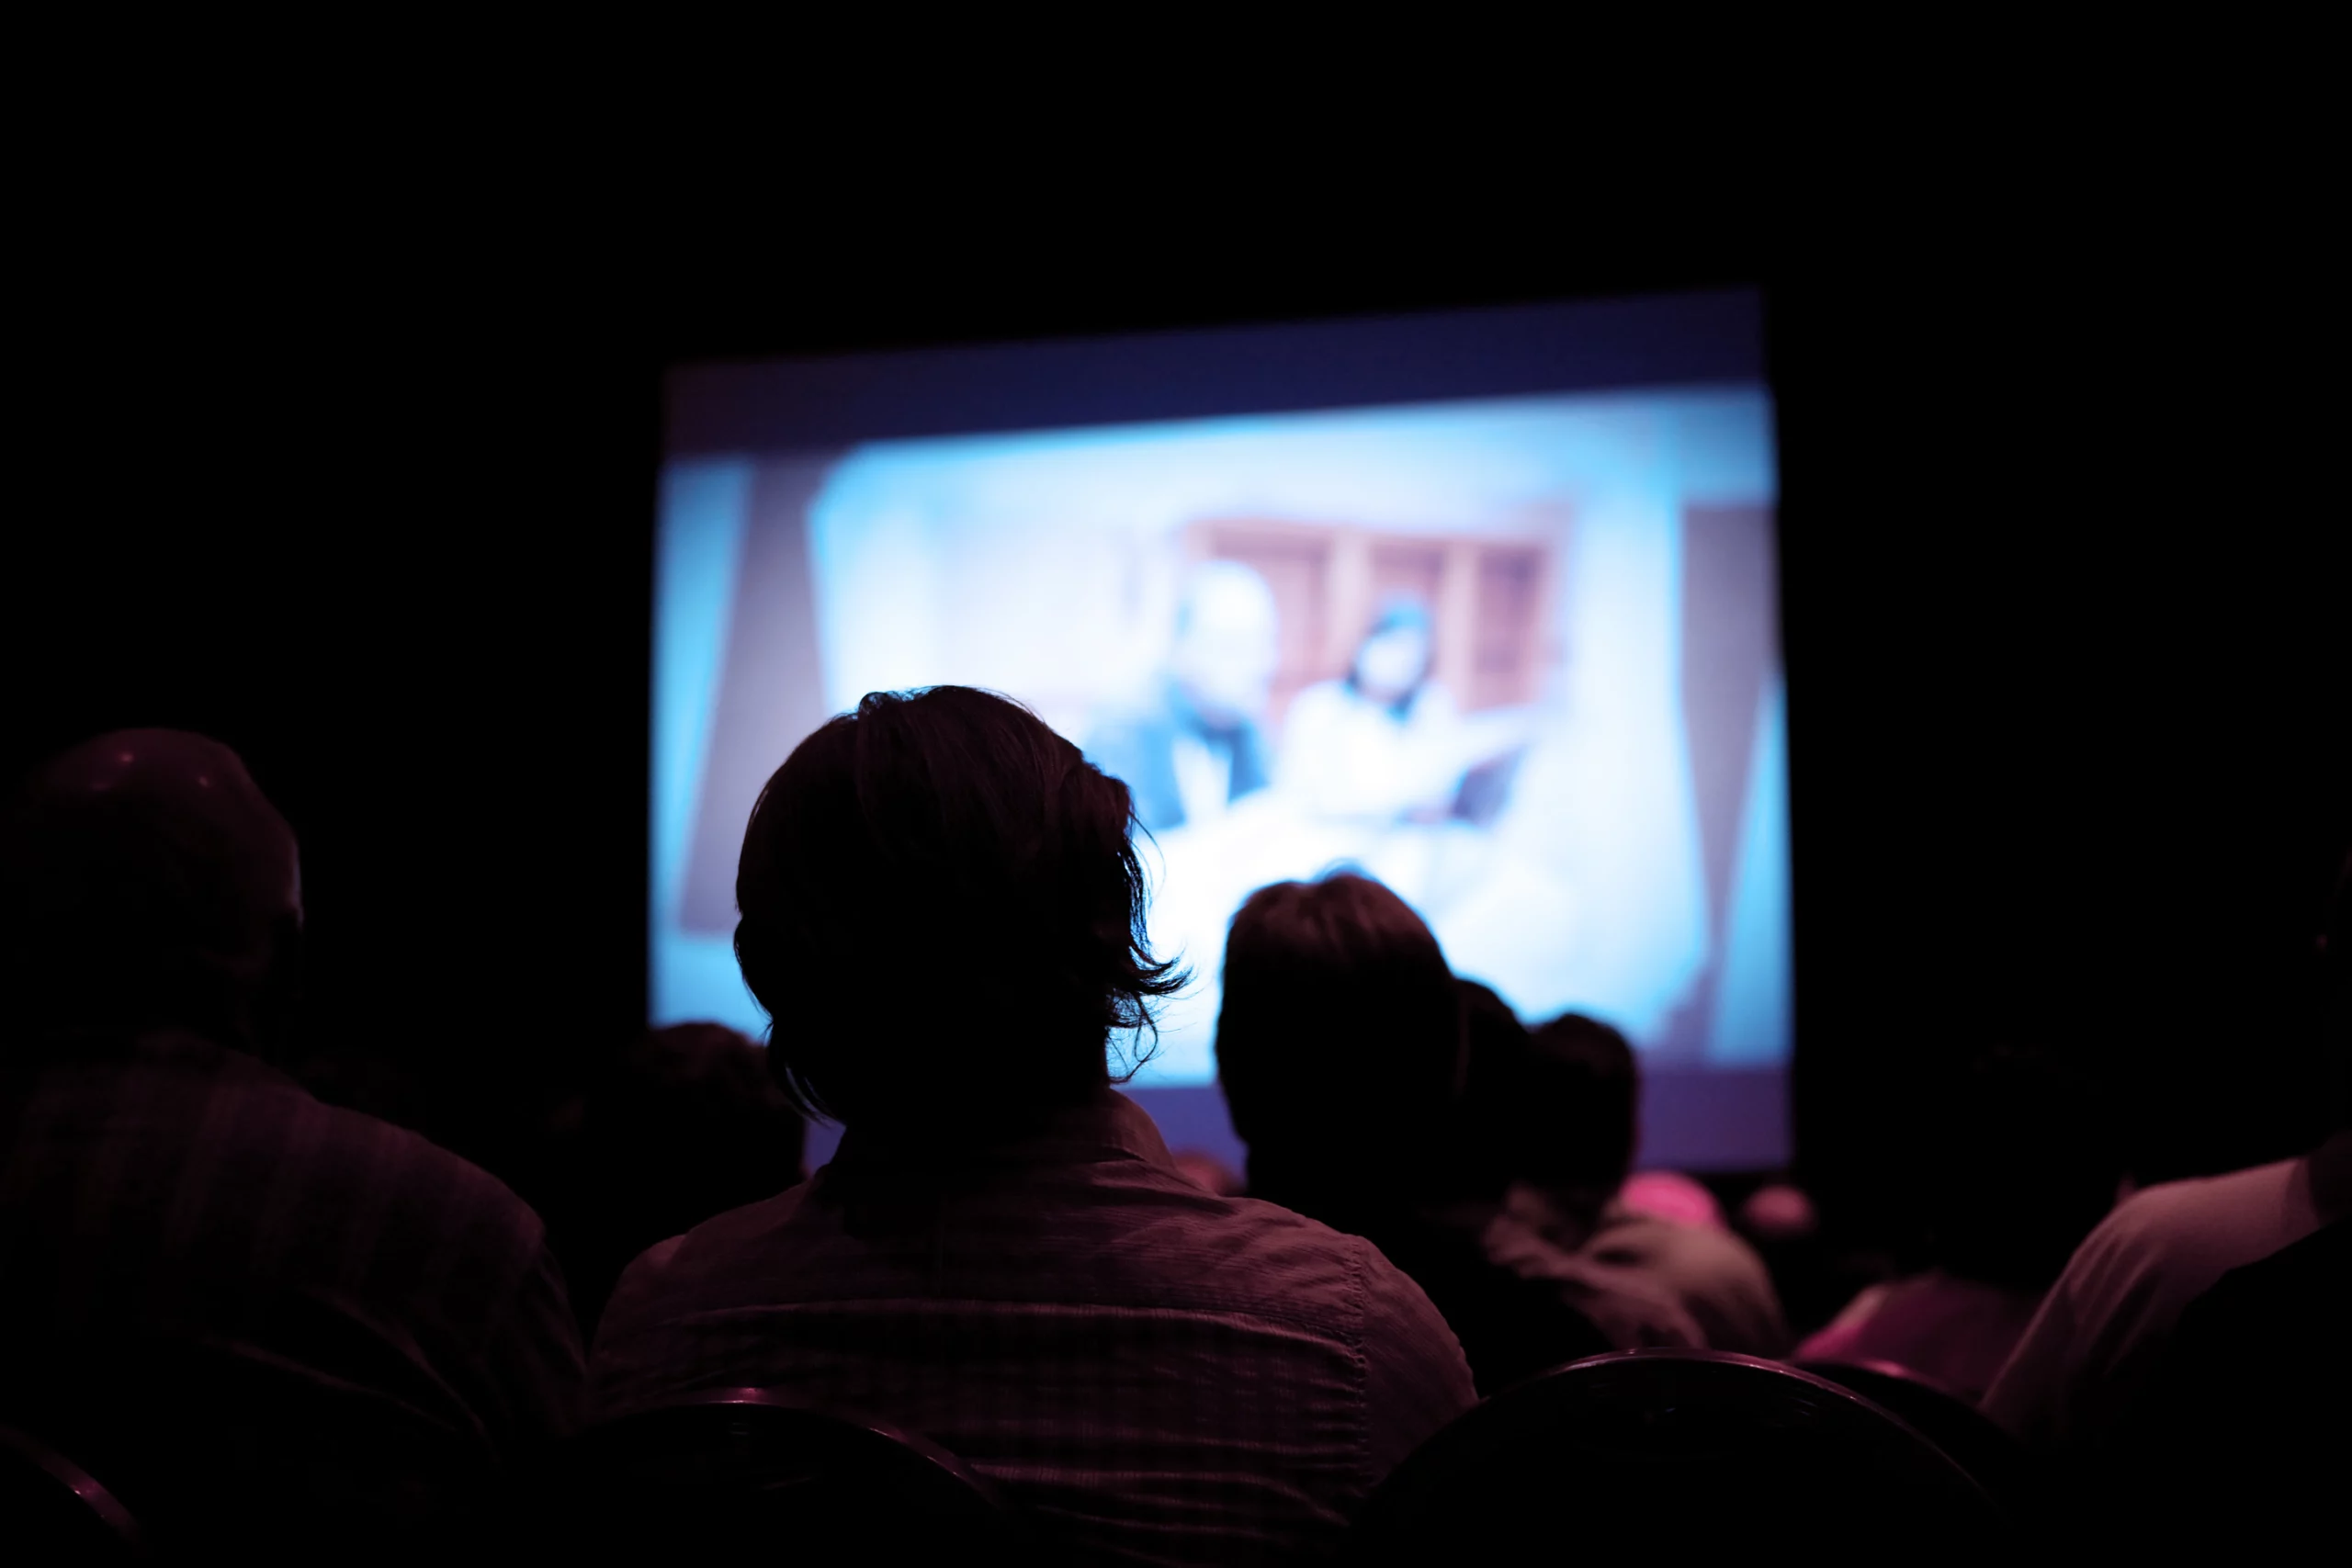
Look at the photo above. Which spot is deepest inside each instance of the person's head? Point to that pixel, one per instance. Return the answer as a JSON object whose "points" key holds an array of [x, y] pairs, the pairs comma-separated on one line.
{"points": [[682, 1125], [1227, 649], [149, 884], [1475, 1161], [1339, 1040], [703, 1094], [942, 914], [2023, 1161], [1394, 658], [1576, 1110]]}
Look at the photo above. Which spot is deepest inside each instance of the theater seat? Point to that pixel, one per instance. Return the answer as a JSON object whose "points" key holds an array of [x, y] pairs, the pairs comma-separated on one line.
{"points": [[1677, 1453], [746, 1468], [216, 1452], [54, 1511], [1997, 1461]]}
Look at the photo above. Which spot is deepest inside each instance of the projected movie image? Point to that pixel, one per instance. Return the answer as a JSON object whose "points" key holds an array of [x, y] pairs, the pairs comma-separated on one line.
{"points": [[1517, 659]]}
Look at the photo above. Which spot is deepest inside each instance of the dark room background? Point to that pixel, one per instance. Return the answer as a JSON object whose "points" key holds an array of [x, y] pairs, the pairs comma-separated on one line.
{"points": [[2063, 564]]}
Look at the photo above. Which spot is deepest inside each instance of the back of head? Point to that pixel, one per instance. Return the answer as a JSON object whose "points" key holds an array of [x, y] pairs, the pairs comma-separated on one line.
{"points": [[942, 914], [1227, 648], [1576, 1107], [148, 884], [682, 1126], [696, 1099], [1475, 1161], [2023, 1163], [1339, 1042]]}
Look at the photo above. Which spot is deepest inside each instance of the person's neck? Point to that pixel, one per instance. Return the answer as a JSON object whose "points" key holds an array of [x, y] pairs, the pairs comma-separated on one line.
{"points": [[931, 1133]]}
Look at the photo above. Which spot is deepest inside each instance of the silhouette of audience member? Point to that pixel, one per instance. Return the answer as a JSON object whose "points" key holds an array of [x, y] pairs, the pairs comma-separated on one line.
{"points": [[2023, 1169], [246, 1309], [1197, 746], [2237, 1438], [1473, 1162], [2234, 1437], [2087, 1356], [682, 1125], [1340, 1048], [1575, 1113], [943, 914]]}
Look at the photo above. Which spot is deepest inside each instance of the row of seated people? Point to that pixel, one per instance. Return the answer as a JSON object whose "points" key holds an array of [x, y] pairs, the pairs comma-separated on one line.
{"points": [[1003, 1255]]}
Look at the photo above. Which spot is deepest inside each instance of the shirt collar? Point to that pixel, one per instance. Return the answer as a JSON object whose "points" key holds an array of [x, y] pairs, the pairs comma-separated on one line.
{"points": [[1106, 1126]]}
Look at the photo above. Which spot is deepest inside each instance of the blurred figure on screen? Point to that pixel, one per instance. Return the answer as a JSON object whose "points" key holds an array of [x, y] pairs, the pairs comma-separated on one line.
{"points": [[1196, 745], [1381, 744]]}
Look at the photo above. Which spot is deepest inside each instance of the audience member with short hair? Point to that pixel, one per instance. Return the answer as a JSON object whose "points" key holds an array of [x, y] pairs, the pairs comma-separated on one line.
{"points": [[1470, 1161], [2021, 1167], [1575, 1117], [244, 1308], [684, 1123], [1340, 1050], [943, 913]]}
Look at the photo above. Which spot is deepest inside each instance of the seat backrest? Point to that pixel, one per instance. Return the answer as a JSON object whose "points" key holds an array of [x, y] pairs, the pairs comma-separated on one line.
{"points": [[213, 1449], [721, 1470], [54, 1511], [1694, 1450], [1998, 1462]]}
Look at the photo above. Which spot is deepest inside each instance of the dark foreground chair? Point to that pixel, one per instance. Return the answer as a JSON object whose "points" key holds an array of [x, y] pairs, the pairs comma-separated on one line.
{"points": [[54, 1511], [1998, 1462], [745, 1469], [216, 1452], [1690, 1452]]}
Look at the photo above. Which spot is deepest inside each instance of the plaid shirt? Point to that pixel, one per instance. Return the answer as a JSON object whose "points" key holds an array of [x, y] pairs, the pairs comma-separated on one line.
{"points": [[168, 1204], [1156, 1373]]}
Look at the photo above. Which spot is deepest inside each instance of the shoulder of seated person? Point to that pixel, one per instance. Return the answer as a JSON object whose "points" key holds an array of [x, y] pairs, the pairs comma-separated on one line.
{"points": [[746, 1222], [1265, 1239], [2157, 1227], [423, 1154], [2155, 1212]]}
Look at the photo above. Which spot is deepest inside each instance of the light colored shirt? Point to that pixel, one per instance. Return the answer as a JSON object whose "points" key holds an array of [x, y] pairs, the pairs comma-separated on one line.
{"points": [[1646, 1279], [1953, 1331], [2102, 1327], [1716, 1277], [1632, 1313], [1345, 756], [1158, 1374]]}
